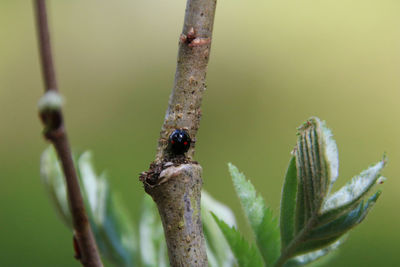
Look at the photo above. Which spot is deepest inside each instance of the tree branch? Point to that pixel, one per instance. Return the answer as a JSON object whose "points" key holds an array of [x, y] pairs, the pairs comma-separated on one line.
{"points": [[190, 78], [51, 115], [178, 202], [174, 181]]}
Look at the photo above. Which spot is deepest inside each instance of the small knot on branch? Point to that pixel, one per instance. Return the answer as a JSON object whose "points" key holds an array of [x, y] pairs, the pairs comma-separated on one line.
{"points": [[156, 174], [50, 105], [192, 40]]}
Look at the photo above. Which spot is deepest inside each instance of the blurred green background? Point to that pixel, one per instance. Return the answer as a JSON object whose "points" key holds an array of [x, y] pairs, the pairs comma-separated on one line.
{"points": [[274, 63]]}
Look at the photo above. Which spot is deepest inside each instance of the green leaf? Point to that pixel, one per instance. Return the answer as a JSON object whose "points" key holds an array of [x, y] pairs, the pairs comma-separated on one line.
{"points": [[152, 240], [330, 151], [317, 167], [114, 231], [218, 250], [264, 225], [252, 204], [312, 245], [321, 218], [346, 221], [211, 257], [95, 188], [288, 204], [54, 183], [313, 256], [118, 233], [268, 238], [246, 255], [351, 194]]}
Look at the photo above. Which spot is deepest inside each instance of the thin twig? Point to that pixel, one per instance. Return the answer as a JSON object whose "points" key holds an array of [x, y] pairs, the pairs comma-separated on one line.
{"points": [[174, 181], [55, 132]]}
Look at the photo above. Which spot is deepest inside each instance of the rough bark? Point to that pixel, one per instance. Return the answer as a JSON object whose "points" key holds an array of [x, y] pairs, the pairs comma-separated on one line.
{"points": [[174, 181], [178, 202], [190, 79]]}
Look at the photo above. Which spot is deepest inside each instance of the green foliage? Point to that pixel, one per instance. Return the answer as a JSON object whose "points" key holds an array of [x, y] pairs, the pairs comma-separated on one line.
{"points": [[115, 233], [218, 251], [54, 183], [246, 255], [321, 218], [313, 256], [112, 227], [152, 242], [313, 222], [288, 203], [264, 225]]}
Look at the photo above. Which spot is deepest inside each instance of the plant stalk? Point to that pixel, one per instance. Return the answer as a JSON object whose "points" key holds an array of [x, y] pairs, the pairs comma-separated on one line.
{"points": [[287, 253], [86, 249]]}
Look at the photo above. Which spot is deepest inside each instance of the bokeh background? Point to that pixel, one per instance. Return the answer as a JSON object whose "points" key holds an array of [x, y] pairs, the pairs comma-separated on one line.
{"points": [[274, 63]]}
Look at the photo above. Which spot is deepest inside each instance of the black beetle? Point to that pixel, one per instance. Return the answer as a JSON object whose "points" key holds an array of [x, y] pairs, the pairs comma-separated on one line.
{"points": [[179, 142]]}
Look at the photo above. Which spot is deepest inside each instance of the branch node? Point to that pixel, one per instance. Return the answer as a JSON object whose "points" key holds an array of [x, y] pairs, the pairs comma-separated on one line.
{"points": [[192, 40], [162, 172], [53, 124], [199, 42], [51, 100]]}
